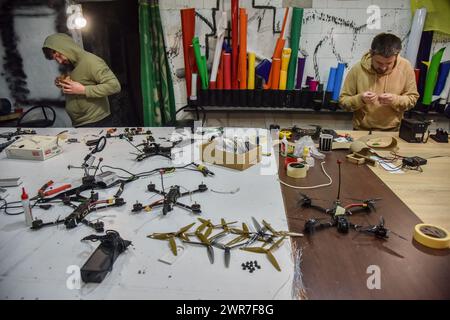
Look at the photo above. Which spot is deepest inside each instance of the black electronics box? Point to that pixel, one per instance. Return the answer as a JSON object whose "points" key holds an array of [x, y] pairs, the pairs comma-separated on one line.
{"points": [[414, 161], [412, 130]]}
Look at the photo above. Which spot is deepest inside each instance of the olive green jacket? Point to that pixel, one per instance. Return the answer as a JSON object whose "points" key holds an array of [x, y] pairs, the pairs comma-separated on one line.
{"points": [[92, 72]]}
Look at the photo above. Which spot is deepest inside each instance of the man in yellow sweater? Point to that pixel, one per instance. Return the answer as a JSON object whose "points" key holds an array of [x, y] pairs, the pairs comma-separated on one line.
{"points": [[381, 87]]}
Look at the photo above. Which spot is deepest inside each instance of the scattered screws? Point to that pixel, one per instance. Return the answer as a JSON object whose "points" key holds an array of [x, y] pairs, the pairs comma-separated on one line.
{"points": [[251, 266]]}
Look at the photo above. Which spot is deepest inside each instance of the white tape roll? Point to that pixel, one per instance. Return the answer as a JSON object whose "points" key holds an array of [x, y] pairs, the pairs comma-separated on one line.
{"points": [[297, 170]]}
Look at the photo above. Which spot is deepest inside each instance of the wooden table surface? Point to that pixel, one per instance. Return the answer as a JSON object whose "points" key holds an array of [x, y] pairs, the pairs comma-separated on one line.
{"points": [[426, 193], [338, 266]]}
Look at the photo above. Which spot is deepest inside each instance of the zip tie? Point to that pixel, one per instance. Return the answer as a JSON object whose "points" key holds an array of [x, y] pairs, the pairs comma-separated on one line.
{"points": [[226, 192]]}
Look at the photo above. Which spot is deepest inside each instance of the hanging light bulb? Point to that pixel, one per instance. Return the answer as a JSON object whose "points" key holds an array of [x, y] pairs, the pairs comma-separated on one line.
{"points": [[80, 22], [75, 19]]}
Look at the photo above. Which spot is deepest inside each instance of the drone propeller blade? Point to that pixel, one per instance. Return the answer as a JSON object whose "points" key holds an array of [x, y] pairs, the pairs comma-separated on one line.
{"points": [[235, 240], [202, 238], [269, 227], [210, 252], [273, 261], [257, 225], [291, 234], [371, 206], [382, 221], [160, 236], [208, 231], [173, 246], [185, 228], [183, 236], [203, 225], [277, 244], [227, 255], [401, 237], [203, 220], [255, 249]]}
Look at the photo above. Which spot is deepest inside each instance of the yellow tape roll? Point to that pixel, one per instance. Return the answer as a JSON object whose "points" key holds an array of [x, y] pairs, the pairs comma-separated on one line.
{"points": [[432, 236]]}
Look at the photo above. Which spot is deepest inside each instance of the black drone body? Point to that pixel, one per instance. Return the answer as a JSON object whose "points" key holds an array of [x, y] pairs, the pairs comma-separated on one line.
{"points": [[73, 195], [129, 133], [339, 215], [151, 149], [85, 206], [170, 198]]}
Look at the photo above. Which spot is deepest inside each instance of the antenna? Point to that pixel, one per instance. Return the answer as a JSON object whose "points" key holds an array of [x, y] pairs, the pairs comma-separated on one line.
{"points": [[161, 172], [339, 185], [98, 165]]}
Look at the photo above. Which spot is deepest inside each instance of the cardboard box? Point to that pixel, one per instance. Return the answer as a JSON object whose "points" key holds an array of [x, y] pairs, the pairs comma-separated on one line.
{"points": [[34, 147], [210, 154]]}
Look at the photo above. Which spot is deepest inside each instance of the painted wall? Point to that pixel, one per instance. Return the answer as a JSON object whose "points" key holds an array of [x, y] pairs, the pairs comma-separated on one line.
{"points": [[332, 30]]}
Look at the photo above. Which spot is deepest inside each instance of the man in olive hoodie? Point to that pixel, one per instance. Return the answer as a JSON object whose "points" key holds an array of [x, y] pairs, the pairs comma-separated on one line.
{"points": [[87, 86], [381, 87]]}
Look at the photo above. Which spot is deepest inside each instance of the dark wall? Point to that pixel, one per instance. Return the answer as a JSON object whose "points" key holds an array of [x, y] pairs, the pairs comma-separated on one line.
{"points": [[113, 34]]}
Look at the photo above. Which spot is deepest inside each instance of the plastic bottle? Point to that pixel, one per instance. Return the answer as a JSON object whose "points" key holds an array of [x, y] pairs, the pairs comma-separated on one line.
{"points": [[26, 208], [305, 153], [284, 147]]}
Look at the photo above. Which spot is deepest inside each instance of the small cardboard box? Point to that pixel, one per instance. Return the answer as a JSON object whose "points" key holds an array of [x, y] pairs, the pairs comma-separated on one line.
{"points": [[210, 154]]}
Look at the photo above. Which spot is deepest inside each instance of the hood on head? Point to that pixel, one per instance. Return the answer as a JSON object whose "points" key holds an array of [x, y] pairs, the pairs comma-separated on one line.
{"points": [[64, 44]]}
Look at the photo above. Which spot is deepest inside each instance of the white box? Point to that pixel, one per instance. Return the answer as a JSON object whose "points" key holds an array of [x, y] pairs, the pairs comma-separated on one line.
{"points": [[34, 148]]}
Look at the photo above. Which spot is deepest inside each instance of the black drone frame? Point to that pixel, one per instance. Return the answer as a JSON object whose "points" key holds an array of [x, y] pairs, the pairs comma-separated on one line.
{"points": [[129, 133], [85, 206], [170, 198], [149, 148], [339, 215]]}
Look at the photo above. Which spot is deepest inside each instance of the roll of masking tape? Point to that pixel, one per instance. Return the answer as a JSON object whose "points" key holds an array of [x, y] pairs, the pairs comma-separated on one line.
{"points": [[432, 236], [297, 170]]}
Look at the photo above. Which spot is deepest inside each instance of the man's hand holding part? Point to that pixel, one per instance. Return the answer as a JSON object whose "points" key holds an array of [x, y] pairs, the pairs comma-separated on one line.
{"points": [[369, 97], [72, 87]]}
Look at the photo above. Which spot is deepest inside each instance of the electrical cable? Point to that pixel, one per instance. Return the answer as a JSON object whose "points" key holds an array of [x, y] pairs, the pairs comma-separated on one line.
{"points": [[311, 187]]}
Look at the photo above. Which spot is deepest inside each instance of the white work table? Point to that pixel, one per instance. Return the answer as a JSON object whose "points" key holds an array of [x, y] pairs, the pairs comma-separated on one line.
{"points": [[34, 263]]}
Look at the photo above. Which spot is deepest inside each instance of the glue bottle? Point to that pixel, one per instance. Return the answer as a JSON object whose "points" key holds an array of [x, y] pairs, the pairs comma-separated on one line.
{"points": [[307, 157], [26, 208], [305, 153], [284, 147]]}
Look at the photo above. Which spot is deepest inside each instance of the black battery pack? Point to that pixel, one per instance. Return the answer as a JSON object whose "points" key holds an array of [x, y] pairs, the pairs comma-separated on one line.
{"points": [[102, 259]]}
